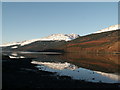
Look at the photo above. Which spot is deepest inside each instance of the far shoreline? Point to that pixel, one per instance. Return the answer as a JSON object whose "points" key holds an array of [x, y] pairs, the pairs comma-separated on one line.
{"points": [[59, 52]]}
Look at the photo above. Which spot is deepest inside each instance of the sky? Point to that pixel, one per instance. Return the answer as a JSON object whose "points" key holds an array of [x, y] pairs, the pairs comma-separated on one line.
{"points": [[30, 20], [60, 0]]}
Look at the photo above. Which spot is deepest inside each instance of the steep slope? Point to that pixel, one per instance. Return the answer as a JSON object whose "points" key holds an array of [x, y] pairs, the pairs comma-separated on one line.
{"points": [[105, 42]]}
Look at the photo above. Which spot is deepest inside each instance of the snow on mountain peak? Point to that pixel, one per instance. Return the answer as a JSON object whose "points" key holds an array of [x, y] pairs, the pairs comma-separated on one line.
{"points": [[111, 28], [53, 37], [60, 37]]}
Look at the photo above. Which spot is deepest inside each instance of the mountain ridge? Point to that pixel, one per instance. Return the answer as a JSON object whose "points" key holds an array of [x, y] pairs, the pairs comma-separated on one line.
{"points": [[105, 41], [110, 28], [53, 37]]}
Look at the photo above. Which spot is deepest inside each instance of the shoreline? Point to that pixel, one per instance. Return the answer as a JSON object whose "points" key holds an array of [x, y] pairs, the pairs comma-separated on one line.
{"points": [[55, 52], [20, 73]]}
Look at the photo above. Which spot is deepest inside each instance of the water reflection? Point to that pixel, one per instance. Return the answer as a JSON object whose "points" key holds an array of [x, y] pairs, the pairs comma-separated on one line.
{"points": [[58, 66], [67, 69], [101, 62], [88, 67]]}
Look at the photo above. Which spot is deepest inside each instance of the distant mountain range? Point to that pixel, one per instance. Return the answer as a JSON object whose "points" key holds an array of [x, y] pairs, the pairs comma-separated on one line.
{"points": [[40, 44], [102, 41], [53, 37]]}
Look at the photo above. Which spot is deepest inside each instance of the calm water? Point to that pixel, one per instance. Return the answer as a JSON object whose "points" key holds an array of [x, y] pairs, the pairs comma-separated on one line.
{"points": [[87, 67]]}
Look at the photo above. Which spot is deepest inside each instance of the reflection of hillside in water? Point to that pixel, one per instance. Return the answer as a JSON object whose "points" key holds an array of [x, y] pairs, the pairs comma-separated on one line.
{"points": [[103, 62]]}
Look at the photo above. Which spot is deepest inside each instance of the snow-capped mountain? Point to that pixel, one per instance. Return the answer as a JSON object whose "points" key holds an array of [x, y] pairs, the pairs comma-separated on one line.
{"points": [[57, 37], [53, 37], [111, 28]]}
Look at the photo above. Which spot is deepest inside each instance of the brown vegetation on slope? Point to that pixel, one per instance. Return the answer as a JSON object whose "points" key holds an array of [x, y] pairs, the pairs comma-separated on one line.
{"points": [[106, 42]]}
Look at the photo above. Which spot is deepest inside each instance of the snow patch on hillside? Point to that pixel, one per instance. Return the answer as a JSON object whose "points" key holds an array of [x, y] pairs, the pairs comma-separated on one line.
{"points": [[14, 47]]}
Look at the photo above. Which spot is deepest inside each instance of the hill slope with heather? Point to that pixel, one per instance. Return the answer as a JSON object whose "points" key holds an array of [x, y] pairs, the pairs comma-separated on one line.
{"points": [[95, 43]]}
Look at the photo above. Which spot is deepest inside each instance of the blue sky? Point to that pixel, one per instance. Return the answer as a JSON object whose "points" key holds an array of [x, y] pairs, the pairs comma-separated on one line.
{"points": [[30, 20]]}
